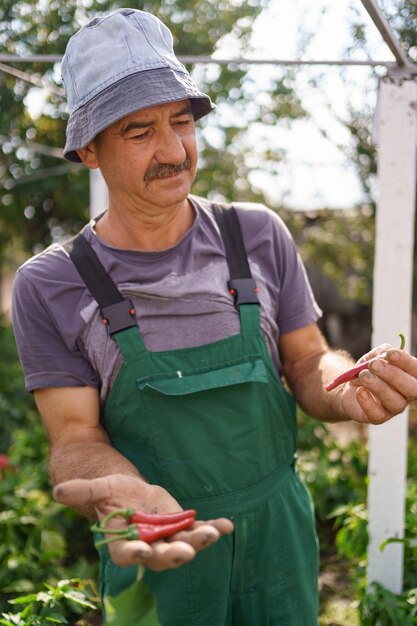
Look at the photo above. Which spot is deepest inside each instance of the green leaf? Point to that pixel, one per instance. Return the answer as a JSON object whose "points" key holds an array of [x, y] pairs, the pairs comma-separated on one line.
{"points": [[11, 620], [53, 543], [33, 597], [56, 618], [79, 598], [136, 606]]}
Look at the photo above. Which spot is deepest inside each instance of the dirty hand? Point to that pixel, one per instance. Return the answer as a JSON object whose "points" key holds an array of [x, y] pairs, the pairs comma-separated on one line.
{"points": [[383, 390], [122, 491]]}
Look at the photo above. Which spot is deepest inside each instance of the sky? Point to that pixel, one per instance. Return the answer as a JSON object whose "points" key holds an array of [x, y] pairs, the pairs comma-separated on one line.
{"points": [[314, 171]]}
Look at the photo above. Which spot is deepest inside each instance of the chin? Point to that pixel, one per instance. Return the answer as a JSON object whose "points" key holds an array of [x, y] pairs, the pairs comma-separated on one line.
{"points": [[177, 192]]}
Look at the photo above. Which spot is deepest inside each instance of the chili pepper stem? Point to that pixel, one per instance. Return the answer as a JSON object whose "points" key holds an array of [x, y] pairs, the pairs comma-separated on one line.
{"points": [[97, 528], [104, 542], [126, 513]]}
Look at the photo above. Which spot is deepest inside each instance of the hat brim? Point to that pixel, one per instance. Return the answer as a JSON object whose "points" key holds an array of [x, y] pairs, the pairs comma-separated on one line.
{"points": [[132, 93]]}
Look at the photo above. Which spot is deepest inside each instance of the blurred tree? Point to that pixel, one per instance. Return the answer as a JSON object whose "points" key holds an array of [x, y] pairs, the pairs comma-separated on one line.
{"points": [[42, 198]]}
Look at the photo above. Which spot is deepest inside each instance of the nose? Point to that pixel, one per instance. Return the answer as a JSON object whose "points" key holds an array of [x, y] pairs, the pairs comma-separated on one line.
{"points": [[170, 148]]}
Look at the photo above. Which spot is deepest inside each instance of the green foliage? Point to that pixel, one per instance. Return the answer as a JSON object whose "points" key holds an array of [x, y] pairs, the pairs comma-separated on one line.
{"points": [[68, 598], [336, 475], [341, 244], [41, 540], [384, 608], [16, 406]]}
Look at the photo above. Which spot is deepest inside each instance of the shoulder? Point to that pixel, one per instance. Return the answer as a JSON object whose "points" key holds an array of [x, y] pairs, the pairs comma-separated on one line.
{"points": [[48, 264], [47, 280], [254, 218], [257, 217]]}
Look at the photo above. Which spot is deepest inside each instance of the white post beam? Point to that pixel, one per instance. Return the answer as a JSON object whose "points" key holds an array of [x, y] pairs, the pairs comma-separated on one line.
{"points": [[98, 193], [384, 27], [392, 310]]}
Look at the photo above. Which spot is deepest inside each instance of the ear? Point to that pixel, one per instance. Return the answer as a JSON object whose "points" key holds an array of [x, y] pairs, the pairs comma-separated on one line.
{"points": [[88, 155]]}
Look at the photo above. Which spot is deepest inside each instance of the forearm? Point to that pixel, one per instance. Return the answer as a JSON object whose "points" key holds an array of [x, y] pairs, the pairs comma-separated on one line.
{"points": [[89, 460], [308, 378]]}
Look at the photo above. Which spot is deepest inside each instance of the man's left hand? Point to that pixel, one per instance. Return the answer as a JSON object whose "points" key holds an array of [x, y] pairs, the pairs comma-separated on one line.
{"points": [[382, 391]]}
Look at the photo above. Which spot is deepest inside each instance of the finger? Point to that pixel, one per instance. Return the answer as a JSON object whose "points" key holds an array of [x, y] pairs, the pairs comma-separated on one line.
{"points": [[382, 391], [402, 380], [166, 555], [80, 492], [199, 537], [375, 352], [403, 360], [125, 553], [223, 525], [374, 412]]}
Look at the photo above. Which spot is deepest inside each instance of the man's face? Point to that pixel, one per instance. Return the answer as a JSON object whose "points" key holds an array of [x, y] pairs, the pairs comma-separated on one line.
{"points": [[148, 158]]}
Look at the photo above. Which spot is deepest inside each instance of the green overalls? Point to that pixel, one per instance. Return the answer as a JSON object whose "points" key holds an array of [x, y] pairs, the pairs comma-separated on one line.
{"points": [[214, 426]]}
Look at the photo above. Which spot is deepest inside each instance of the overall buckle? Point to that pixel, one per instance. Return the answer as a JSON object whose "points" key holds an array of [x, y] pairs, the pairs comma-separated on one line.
{"points": [[244, 291], [119, 316]]}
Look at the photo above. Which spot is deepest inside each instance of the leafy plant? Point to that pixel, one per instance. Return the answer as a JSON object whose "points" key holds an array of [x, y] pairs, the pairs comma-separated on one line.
{"points": [[16, 405], [336, 475], [41, 540], [384, 608], [54, 605]]}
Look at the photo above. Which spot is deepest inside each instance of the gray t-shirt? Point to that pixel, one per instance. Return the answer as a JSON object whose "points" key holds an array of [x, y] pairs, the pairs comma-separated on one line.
{"points": [[180, 295]]}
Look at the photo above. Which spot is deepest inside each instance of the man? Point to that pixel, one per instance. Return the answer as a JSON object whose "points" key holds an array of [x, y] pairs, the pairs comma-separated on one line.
{"points": [[176, 401]]}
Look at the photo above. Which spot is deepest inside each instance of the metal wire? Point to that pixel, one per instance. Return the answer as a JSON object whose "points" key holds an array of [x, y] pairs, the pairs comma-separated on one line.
{"points": [[31, 78], [206, 59]]}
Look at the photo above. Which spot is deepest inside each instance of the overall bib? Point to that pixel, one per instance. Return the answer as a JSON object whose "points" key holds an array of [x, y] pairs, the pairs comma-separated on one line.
{"points": [[215, 427]]}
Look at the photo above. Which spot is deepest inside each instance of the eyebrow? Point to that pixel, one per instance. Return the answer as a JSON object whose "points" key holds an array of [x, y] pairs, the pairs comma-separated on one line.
{"points": [[137, 124]]}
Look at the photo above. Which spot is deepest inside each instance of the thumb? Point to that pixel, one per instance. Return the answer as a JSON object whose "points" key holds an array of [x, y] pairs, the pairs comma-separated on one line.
{"points": [[80, 491]]}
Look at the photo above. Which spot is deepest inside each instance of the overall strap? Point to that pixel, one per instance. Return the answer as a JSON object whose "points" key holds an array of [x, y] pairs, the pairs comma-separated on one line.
{"points": [[241, 284], [118, 313]]}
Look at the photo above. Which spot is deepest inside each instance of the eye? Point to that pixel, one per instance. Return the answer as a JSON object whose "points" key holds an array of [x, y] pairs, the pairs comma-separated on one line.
{"points": [[140, 136], [183, 124]]}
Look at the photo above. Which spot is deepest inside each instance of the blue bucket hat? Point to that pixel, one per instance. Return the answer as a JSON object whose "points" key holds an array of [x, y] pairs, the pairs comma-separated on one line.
{"points": [[118, 64]]}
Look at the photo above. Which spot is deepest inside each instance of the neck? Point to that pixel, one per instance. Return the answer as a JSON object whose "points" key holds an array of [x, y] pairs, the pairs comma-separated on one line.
{"points": [[146, 230]]}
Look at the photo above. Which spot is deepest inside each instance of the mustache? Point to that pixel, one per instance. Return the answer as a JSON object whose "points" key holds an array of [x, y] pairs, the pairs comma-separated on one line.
{"points": [[161, 170]]}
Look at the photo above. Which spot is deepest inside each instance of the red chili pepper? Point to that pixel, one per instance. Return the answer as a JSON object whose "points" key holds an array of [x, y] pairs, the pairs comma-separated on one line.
{"points": [[145, 531], [161, 518], [354, 372], [153, 532], [350, 374]]}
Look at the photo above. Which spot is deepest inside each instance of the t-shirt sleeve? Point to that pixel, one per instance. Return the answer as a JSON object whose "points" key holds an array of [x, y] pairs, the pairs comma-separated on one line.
{"points": [[48, 360]]}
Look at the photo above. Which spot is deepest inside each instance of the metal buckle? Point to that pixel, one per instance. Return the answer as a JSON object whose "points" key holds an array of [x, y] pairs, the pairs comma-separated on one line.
{"points": [[244, 291]]}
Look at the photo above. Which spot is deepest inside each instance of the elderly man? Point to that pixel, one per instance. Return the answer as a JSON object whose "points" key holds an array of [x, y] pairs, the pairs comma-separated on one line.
{"points": [[177, 400]]}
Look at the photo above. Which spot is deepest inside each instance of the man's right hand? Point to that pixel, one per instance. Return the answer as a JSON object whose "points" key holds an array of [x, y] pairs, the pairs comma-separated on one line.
{"points": [[118, 491]]}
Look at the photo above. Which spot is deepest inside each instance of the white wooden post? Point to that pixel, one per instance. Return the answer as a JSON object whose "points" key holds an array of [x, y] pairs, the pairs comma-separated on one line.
{"points": [[98, 193], [392, 302]]}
